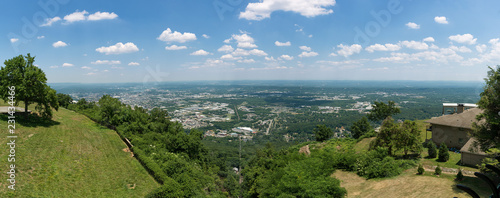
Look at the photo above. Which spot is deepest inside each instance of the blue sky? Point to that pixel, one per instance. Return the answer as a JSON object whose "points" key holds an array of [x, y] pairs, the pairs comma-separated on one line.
{"points": [[185, 40]]}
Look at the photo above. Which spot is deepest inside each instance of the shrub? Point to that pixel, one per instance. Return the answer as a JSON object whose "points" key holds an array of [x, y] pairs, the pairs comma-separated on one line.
{"points": [[420, 169], [460, 176], [360, 128], [322, 133], [388, 167], [437, 171], [151, 166], [432, 150], [443, 153], [169, 189]]}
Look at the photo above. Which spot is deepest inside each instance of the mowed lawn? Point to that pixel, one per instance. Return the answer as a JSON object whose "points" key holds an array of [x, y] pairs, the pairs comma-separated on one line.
{"points": [[408, 184], [71, 156]]}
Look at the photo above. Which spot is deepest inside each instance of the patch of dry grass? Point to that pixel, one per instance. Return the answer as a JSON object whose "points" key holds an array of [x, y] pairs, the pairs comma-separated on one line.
{"points": [[407, 184]]}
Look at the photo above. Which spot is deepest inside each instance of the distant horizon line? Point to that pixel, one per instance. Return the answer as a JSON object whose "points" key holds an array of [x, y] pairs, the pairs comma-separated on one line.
{"points": [[192, 81]]}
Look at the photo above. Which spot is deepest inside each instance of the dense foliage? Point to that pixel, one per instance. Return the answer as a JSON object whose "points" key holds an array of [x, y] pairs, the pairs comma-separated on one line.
{"points": [[288, 173], [322, 133], [360, 128], [173, 157], [395, 137], [64, 100], [30, 85], [487, 129], [381, 110]]}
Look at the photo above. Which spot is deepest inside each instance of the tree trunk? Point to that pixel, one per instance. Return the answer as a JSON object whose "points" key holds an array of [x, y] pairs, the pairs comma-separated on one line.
{"points": [[26, 109]]}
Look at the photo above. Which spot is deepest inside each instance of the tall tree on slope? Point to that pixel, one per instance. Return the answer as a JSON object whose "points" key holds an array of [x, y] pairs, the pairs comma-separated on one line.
{"points": [[30, 85]]}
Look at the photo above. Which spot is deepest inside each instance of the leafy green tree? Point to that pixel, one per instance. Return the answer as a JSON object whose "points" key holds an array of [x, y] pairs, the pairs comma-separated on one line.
{"points": [[408, 138], [486, 130], [109, 110], [30, 85], [386, 137], [381, 110], [396, 136], [82, 104], [432, 151], [443, 153], [64, 100], [322, 133], [360, 127]]}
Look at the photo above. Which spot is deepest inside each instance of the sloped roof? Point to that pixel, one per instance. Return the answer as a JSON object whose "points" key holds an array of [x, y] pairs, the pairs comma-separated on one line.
{"points": [[462, 120], [469, 147]]}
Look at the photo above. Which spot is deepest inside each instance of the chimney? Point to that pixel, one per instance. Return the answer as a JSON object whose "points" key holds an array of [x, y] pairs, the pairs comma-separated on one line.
{"points": [[460, 108]]}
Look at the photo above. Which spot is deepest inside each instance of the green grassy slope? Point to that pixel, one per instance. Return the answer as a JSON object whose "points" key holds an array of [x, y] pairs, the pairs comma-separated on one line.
{"points": [[71, 156]]}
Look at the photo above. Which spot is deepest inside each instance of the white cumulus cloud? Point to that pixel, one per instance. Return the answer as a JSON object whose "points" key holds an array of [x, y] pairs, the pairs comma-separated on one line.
{"points": [[305, 48], [277, 43], [50, 21], [413, 25], [346, 50], [462, 49], [481, 48], [246, 61], [286, 57], [13, 40], [247, 45], [169, 36], [417, 45], [428, 39], [106, 62], [264, 8], [59, 44], [244, 40], [175, 47], [76, 16], [229, 57], [118, 48], [380, 47], [308, 54], [225, 48], [441, 20], [102, 16], [67, 65], [257, 52], [134, 64], [200, 53], [464, 38]]}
